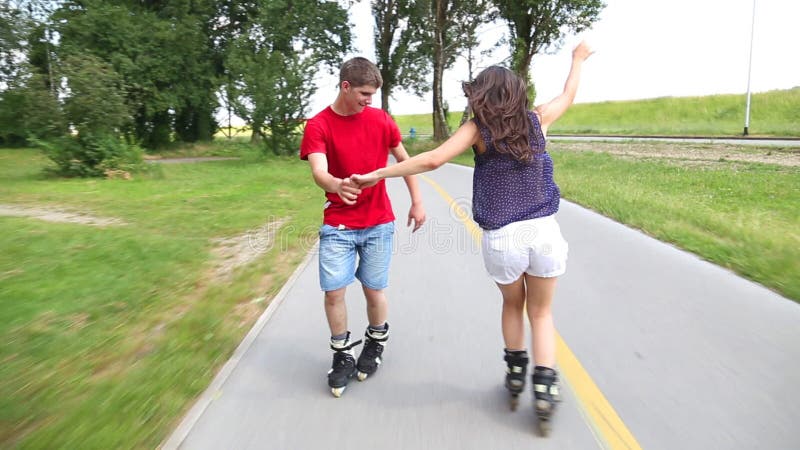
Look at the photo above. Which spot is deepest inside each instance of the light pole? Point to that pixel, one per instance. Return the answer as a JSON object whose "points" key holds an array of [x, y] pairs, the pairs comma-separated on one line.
{"points": [[749, 70]]}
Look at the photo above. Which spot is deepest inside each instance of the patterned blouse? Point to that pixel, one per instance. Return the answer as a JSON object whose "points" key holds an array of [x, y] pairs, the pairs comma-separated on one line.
{"points": [[506, 190]]}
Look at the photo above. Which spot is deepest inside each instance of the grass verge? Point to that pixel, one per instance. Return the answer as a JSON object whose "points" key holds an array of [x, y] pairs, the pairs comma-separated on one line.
{"points": [[110, 332]]}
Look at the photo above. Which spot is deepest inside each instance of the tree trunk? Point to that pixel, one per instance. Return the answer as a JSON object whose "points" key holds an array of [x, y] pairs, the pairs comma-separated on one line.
{"points": [[522, 60], [440, 128], [386, 90]]}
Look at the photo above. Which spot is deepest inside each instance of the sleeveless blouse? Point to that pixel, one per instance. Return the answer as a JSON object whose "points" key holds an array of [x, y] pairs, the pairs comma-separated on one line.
{"points": [[506, 190]]}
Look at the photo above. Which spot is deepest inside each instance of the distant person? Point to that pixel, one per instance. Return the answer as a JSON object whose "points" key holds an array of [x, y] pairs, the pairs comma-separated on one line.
{"points": [[514, 202], [348, 137]]}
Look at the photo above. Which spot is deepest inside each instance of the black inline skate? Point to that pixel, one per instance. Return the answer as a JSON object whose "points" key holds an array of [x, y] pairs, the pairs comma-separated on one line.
{"points": [[371, 356], [517, 361], [343, 367], [546, 396]]}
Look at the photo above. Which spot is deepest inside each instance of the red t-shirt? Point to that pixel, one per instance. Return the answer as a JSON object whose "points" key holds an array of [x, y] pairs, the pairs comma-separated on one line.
{"points": [[354, 144]]}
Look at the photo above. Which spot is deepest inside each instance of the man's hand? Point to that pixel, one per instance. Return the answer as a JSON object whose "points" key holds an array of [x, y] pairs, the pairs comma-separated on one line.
{"points": [[417, 215], [365, 181], [348, 191]]}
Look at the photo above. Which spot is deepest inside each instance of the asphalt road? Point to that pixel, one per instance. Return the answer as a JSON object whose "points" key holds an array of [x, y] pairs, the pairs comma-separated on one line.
{"points": [[659, 350]]}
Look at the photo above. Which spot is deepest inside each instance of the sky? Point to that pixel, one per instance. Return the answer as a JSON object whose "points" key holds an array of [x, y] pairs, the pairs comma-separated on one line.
{"points": [[643, 49]]}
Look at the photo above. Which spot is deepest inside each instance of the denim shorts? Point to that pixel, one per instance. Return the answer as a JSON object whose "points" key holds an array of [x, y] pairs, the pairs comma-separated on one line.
{"points": [[534, 246], [337, 256]]}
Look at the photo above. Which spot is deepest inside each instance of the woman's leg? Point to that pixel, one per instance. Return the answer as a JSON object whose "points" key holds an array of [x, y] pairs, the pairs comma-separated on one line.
{"points": [[539, 294], [512, 318]]}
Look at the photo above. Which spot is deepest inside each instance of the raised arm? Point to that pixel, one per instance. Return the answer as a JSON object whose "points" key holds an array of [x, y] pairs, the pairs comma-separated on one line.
{"points": [[461, 140], [550, 112]]}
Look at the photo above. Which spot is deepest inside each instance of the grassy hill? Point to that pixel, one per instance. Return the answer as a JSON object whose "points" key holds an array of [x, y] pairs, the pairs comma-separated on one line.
{"points": [[774, 114]]}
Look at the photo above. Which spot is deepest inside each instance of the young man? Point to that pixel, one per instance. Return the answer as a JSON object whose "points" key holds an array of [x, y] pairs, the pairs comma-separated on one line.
{"points": [[352, 137]]}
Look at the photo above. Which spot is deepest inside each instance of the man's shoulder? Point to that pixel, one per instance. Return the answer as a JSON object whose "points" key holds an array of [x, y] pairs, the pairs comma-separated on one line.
{"points": [[374, 112], [321, 116]]}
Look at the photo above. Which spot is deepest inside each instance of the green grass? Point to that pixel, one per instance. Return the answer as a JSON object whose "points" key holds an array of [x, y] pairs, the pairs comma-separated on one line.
{"points": [[110, 333], [741, 216], [773, 113]]}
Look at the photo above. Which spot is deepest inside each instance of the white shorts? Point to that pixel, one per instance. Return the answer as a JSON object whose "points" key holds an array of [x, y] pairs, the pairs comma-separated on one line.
{"points": [[533, 246]]}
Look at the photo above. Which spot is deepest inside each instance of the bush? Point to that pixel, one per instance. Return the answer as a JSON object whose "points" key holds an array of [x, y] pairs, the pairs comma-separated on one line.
{"points": [[92, 156]]}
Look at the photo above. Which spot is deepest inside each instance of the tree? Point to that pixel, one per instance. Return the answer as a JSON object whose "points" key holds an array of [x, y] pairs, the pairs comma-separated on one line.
{"points": [[95, 107], [402, 45], [29, 107], [14, 28], [454, 22], [536, 25], [165, 54], [272, 62]]}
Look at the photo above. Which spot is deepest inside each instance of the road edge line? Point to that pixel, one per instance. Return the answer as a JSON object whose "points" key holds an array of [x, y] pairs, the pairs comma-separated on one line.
{"points": [[179, 434]]}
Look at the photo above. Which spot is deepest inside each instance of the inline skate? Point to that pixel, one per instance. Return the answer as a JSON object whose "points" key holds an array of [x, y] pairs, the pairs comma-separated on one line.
{"points": [[371, 355], [546, 396], [343, 367], [517, 362]]}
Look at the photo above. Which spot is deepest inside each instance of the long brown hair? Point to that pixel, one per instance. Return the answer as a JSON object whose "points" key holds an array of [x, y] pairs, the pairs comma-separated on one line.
{"points": [[498, 98]]}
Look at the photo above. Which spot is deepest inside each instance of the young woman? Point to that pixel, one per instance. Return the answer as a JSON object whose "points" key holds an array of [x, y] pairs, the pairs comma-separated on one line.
{"points": [[514, 202]]}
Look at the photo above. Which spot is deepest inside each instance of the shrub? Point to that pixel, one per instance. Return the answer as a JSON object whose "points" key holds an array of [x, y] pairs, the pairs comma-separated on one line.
{"points": [[92, 156]]}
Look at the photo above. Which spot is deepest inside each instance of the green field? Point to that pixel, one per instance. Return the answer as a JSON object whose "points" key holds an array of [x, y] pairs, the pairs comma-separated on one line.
{"points": [[773, 113]]}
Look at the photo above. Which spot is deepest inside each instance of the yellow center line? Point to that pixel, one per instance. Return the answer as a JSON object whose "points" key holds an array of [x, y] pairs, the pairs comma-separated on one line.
{"points": [[603, 419]]}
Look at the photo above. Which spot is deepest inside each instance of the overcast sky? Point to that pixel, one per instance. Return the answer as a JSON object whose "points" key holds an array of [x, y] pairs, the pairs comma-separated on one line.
{"points": [[644, 49]]}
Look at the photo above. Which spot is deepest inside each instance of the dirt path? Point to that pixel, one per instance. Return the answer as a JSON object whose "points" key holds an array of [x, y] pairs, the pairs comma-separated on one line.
{"points": [[682, 151], [58, 215]]}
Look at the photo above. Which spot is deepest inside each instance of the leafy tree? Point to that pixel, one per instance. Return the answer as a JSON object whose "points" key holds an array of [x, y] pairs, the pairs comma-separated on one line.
{"points": [[272, 95], [165, 53], [536, 25], [28, 110], [14, 28], [95, 106], [94, 96], [272, 62], [453, 31], [402, 45]]}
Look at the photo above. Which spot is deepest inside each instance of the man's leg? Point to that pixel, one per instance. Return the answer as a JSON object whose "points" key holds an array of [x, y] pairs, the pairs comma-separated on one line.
{"points": [[336, 311], [375, 254], [336, 270], [337, 260], [377, 306]]}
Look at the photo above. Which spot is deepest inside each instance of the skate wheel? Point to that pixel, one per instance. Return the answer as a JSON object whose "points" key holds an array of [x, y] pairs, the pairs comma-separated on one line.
{"points": [[337, 392], [545, 427], [514, 402], [362, 376]]}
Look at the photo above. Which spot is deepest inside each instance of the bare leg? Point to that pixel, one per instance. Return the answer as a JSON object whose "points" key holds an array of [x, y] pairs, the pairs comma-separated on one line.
{"points": [[540, 293], [512, 318], [377, 306], [336, 311]]}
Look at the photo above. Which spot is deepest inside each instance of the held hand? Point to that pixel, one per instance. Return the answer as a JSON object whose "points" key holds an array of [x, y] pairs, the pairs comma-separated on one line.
{"points": [[365, 181], [348, 191], [417, 215], [582, 51]]}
